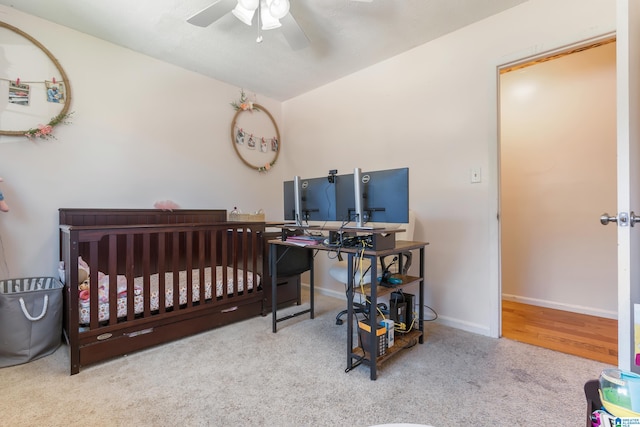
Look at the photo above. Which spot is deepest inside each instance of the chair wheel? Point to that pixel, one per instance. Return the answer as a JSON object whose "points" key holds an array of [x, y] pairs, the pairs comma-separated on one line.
{"points": [[338, 321]]}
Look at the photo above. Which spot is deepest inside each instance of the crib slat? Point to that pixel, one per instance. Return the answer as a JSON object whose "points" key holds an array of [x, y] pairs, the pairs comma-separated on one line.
{"points": [[129, 276], [224, 263], [162, 248], [234, 261], [113, 277], [214, 261], [189, 266], [201, 263], [175, 269], [256, 239], [146, 273], [245, 259], [93, 280]]}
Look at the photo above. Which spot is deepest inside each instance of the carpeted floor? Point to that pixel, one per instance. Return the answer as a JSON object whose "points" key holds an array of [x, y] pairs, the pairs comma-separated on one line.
{"points": [[244, 375]]}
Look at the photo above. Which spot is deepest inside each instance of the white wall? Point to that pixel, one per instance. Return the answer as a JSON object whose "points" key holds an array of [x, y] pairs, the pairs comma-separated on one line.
{"points": [[558, 174], [142, 131], [434, 109]]}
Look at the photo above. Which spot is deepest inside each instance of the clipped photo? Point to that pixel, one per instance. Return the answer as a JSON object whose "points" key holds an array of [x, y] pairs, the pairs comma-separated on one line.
{"points": [[240, 137], [18, 93], [55, 92]]}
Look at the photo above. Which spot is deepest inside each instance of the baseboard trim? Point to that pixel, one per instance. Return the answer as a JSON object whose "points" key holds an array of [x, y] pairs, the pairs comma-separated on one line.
{"points": [[482, 330], [464, 326], [328, 292], [561, 306]]}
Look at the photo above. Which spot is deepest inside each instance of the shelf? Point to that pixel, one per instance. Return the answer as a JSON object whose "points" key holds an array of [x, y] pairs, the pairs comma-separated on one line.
{"points": [[402, 341], [383, 290]]}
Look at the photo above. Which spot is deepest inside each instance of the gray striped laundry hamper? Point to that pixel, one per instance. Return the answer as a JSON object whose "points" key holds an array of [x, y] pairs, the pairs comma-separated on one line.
{"points": [[30, 319]]}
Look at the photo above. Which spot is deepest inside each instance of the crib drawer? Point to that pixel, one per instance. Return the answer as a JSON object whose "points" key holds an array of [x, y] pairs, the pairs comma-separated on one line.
{"points": [[140, 335]]}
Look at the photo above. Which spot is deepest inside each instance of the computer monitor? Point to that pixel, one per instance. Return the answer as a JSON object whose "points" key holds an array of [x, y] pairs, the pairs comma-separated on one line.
{"points": [[378, 196], [315, 200]]}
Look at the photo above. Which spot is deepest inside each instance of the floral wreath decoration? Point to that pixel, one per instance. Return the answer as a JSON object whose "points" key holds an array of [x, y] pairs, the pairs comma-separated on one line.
{"points": [[46, 131], [243, 104], [266, 166]]}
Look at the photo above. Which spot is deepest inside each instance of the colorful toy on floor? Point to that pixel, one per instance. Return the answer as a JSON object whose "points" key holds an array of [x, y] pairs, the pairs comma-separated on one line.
{"points": [[620, 392]]}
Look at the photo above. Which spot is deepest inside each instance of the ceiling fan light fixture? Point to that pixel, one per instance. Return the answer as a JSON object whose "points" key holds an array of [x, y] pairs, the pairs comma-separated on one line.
{"points": [[269, 22], [244, 15], [244, 10], [279, 8], [249, 4]]}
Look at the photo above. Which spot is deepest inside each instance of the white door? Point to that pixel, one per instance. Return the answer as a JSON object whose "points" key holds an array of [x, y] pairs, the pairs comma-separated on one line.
{"points": [[628, 113]]}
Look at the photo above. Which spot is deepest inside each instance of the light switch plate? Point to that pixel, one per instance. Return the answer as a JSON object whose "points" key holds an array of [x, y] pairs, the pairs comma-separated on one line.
{"points": [[476, 175]]}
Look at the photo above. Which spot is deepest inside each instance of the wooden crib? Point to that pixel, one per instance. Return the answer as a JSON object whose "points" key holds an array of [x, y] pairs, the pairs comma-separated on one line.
{"points": [[152, 263]]}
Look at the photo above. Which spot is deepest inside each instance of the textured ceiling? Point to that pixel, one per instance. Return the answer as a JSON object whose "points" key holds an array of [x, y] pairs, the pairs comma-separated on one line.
{"points": [[345, 35]]}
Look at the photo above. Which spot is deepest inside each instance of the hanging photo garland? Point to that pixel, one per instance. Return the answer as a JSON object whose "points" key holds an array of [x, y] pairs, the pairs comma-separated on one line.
{"points": [[55, 92], [255, 135]]}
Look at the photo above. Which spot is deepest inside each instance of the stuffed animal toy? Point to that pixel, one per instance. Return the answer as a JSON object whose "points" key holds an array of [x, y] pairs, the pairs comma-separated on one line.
{"points": [[83, 289], [83, 275], [83, 279], [84, 283], [3, 205], [166, 205]]}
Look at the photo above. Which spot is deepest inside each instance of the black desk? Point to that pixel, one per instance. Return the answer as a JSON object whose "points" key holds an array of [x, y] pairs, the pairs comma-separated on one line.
{"points": [[373, 292]]}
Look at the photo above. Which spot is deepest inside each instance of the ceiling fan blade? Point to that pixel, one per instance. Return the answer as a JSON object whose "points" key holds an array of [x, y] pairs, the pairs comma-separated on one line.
{"points": [[292, 32], [212, 13]]}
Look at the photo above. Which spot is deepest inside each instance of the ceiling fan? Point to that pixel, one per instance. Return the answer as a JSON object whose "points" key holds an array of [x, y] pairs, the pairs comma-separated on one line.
{"points": [[270, 14]]}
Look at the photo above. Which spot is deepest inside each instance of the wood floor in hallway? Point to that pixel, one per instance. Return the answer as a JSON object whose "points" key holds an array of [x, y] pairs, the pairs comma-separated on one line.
{"points": [[591, 337]]}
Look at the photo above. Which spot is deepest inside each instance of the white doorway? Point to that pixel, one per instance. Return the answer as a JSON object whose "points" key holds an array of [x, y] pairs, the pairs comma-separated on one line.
{"points": [[557, 166]]}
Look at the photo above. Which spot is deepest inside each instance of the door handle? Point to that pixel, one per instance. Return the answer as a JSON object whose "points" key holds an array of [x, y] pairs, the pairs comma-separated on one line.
{"points": [[606, 219], [623, 219]]}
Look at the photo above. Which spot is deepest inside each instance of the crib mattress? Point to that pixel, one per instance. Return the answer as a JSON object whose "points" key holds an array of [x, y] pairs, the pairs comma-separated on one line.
{"points": [[138, 297]]}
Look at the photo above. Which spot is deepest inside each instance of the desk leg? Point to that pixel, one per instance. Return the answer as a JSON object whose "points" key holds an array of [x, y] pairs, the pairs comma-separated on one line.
{"points": [[273, 255], [421, 308], [373, 316], [349, 312], [311, 284]]}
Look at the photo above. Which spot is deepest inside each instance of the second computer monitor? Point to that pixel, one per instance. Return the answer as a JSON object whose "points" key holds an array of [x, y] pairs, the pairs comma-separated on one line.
{"points": [[383, 196]]}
